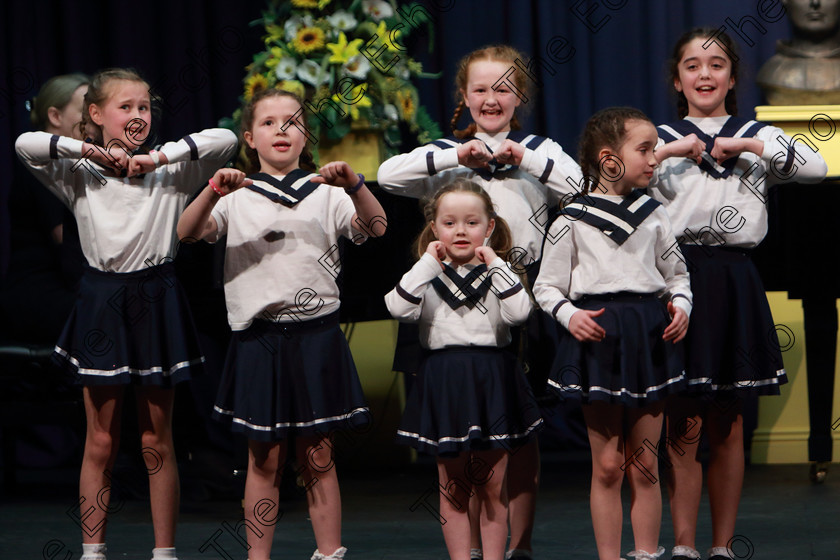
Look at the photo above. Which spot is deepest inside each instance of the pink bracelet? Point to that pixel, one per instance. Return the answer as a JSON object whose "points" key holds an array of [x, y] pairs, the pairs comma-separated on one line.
{"points": [[215, 188]]}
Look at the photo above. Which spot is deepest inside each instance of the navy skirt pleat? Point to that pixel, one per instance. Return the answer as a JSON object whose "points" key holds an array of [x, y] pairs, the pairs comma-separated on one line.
{"points": [[290, 379], [133, 327], [731, 342], [468, 398], [631, 366]]}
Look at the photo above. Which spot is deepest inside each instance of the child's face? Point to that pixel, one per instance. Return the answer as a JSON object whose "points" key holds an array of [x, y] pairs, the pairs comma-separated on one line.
{"points": [[705, 77], [126, 113], [491, 109], [636, 154], [462, 225], [71, 115], [279, 150]]}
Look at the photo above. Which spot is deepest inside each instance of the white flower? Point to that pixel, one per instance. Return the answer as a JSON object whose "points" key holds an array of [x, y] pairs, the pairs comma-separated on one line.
{"points": [[285, 68], [344, 21], [391, 112], [377, 9], [309, 71], [293, 25], [401, 70], [357, 67]]}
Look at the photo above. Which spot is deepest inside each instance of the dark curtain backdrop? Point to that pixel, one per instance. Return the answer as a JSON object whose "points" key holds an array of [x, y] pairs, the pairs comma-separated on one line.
{"points": [[194, 52]]}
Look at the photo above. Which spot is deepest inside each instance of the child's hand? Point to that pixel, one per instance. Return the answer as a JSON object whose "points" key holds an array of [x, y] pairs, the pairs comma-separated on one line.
{"points": [[116, 158], [726, 148], [679, 324], [510, 153], [337, 173], [584, 328], [438, 251], [688, 147], [474, 154], [139, 164], [485, 254], [228, 179]]}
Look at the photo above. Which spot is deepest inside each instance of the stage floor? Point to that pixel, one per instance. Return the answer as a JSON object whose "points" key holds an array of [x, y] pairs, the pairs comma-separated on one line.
{"points": [[782, 517]]}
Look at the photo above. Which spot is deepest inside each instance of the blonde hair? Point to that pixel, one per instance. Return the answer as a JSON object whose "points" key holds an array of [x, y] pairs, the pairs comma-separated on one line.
{"points": [[501, 240], [56, 92], [498, 53]]}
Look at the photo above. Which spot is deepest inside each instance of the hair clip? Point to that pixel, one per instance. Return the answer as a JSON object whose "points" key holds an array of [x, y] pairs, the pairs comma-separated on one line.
{"points": [[28, 105]]}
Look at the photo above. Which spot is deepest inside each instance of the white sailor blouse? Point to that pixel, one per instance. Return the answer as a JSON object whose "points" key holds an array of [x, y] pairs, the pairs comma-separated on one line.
{"points": [[524, 195], [602, 244], [460, 306], [725, 204]]}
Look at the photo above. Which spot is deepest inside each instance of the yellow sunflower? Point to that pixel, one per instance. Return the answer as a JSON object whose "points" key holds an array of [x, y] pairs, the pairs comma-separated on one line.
{"points": [[309, 39], [305, 3], [293, 86], [407, 104], [254, 84]]}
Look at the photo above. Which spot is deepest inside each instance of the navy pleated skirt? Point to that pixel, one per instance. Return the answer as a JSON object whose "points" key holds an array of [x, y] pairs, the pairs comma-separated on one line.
{"points": [[133, 327], [731, 342], [283, 379], [468, 398], [631, 366]]}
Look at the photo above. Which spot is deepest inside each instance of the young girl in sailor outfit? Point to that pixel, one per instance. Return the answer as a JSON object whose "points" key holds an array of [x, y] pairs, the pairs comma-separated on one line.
{"points": [[289, 372], [525, 176], [714, 175], [131, 322], [470, 403], [609, 262]]}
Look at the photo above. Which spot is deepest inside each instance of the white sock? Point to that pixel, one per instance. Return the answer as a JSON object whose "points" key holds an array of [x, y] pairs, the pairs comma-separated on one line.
{"points": [[515, 553], [685, 551], [95, 551], [164, 554], [722, 550]]}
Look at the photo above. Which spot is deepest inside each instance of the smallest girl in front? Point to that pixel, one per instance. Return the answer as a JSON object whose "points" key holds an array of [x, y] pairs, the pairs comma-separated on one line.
{"points": [[289, 375], [470, 404], [610, 263]]}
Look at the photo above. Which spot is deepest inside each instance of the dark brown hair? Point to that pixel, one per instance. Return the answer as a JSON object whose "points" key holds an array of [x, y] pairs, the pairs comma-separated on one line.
{"points": [[499, 53], [726, 44], [606, 128], [501, 240], [252, 159], [98, 93]]}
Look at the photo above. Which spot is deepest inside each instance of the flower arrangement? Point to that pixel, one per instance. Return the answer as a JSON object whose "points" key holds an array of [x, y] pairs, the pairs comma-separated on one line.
{"points": [[340, 50]]}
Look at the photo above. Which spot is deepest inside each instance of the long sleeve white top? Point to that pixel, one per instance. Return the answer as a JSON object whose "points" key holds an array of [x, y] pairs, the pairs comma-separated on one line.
{"points": [[485, 322], [125, 224]]}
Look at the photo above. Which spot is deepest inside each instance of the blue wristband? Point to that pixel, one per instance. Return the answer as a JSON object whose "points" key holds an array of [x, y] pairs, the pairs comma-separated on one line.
{"points": [[358, 186]]}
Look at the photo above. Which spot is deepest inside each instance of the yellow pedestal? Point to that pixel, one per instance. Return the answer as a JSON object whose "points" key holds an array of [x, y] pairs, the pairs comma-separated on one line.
{"points": [[783, 425], [814, 125], [364, 150], [372, 344]]}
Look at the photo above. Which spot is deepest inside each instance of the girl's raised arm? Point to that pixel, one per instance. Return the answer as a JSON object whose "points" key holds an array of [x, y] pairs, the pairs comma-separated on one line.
{"points": [[195, 222]]}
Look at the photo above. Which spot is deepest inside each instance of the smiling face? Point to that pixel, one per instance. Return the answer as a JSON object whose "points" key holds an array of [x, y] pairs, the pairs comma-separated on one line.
{"points": [[636, 154], [462, 224], [126, 113], [704, 77], [491, 109], [278, 150]]}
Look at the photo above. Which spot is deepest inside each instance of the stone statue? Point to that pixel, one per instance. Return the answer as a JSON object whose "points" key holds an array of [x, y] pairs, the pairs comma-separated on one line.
{"points": [[806, 69]]}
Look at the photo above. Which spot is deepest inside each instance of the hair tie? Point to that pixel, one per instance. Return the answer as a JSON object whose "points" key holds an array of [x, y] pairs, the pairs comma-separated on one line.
{"points": [[28, 104]]}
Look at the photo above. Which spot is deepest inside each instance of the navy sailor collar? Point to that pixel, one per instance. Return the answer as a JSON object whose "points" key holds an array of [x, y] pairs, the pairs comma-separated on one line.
{"points": [[617, 220], [734, 127], [292, 188], [495, 170], [458, 291]]}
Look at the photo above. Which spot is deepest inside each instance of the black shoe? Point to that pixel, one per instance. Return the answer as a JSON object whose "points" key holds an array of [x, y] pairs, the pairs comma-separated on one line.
{"points": [[819, 470], [681, 557], [719, 557]]}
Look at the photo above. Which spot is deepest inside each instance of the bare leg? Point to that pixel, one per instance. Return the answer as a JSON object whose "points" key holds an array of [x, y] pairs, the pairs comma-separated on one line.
{"points": [[475, 522], [685, 477], [103, 405], [522, 482], [154, 410], [455, 493], [726, 469], [262, 495], [644, 429], [491, 491], [606, 440], [323, 494]]}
